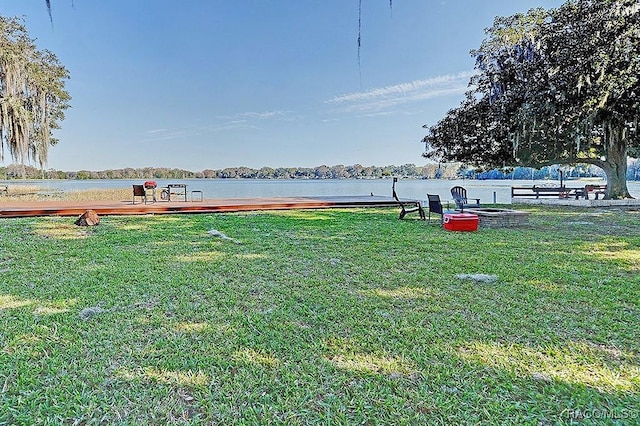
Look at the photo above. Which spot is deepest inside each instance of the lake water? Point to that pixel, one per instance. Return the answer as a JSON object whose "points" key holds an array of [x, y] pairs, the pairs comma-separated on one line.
{"points": [[486, 190]]}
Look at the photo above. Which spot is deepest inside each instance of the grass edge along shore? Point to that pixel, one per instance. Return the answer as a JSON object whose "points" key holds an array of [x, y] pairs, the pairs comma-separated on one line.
{"points": [[332, 316]]}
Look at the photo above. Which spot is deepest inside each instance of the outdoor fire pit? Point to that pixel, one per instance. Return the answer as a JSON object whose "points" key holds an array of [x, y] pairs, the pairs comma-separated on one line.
{"points": [[499, 218]]}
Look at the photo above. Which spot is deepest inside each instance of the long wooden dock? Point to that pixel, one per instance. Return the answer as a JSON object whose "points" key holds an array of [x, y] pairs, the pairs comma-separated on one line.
{"points": [[10, 208]]}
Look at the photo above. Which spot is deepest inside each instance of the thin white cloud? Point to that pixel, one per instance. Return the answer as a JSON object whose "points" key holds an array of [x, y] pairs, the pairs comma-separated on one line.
{"points": [[256, 115], [243, 120], [386, 97], [184, 134], [231, 126], [155, 131], [383, 113], [164, 134]]}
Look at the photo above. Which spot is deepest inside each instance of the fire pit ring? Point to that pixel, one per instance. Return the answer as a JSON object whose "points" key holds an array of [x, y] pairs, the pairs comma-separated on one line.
{"points": [[499, 218]]}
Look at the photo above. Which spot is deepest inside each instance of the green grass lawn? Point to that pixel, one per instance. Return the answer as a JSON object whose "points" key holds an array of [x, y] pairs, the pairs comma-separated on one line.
{"points": [[320, 317]]}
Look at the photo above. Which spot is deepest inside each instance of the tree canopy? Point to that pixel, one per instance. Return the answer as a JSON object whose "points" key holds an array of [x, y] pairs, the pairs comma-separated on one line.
{"points": [[552, 86], [32, 94]]}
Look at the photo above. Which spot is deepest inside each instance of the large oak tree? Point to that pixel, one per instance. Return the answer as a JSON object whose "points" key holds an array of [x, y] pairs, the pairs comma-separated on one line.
{"points": [[559, 86]]}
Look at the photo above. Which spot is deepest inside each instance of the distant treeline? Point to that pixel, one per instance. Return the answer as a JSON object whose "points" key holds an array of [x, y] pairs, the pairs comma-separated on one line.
{"points": [[357, 171]]}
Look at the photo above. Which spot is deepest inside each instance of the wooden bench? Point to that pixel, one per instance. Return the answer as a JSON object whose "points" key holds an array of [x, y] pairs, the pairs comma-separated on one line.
{"points": [[547, 191]]}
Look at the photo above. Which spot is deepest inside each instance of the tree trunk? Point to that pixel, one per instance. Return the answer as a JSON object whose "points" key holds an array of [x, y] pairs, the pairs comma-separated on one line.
{"points": [[615, 167]]}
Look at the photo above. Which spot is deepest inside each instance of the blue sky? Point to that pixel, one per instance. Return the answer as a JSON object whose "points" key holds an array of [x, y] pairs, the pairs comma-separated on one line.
{"points": [[197, 84]]}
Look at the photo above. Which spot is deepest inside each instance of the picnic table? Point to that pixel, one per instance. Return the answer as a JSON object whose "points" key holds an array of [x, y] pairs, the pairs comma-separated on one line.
{"points": [[176, 189], [596, 190]]}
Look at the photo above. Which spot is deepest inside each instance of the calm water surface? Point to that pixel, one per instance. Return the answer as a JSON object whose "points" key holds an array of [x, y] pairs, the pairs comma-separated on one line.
{"points": [[486, 190]]}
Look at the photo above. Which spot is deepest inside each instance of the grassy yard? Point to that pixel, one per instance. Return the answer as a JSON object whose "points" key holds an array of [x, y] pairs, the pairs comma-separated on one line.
{"points": [[320, 317]]}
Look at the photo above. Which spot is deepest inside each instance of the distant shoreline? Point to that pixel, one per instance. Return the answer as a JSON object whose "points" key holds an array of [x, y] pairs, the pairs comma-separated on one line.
{"points": [[322, 172]]}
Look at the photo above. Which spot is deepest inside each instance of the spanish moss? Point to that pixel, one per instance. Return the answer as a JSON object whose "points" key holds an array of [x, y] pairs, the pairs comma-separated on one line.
{"points": [[360, 33], [359, 38], [32, 95], [49, 10]]}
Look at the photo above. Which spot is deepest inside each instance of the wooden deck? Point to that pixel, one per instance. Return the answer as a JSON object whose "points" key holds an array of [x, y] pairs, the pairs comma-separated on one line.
{"points": [[10, 208]]}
